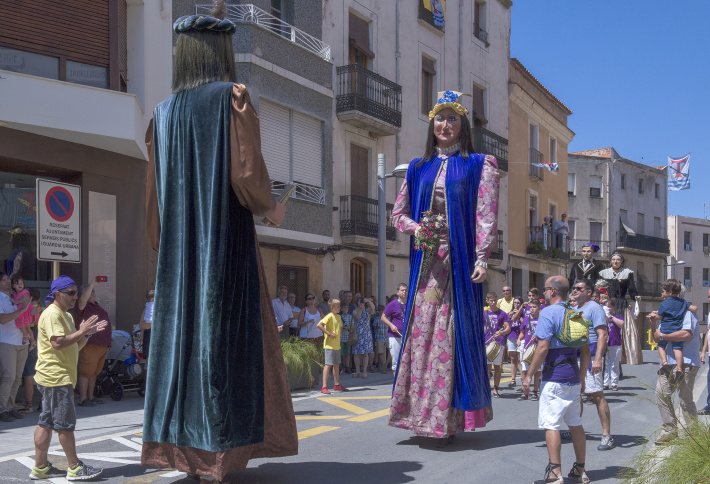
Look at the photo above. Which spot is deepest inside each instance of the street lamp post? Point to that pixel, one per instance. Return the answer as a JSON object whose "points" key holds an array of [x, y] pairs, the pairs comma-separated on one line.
{"points": [[399, 172]]}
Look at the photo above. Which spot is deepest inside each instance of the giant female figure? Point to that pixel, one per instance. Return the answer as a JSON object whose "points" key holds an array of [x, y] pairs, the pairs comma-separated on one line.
{"points": [[441, 385], [217, 393]]}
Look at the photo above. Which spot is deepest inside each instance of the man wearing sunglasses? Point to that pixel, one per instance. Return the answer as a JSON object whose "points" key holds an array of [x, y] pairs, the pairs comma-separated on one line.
{"points": [[598, 334], [58, 345]]}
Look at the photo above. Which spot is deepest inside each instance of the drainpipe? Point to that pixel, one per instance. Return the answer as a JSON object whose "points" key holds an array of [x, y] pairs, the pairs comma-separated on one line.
{"points": [[609, 230], [397, 58]]}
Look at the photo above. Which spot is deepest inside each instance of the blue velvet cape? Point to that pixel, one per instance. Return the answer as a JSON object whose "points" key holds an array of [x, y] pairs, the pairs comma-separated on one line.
{"points": [[472, 389], [205, 384]]}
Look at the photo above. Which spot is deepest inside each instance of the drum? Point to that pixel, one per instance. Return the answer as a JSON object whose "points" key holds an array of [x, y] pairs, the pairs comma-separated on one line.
{"points": [[493, 348], [529, 352]]}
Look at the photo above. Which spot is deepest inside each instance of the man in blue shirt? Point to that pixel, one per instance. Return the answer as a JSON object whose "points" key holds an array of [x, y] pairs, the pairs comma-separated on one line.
{"points": [[598, 333], [562, 383], [690, 336]]}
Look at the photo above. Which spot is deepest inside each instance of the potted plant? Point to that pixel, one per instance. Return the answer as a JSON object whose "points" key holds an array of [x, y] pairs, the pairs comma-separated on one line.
{"points": [[303, 361]]}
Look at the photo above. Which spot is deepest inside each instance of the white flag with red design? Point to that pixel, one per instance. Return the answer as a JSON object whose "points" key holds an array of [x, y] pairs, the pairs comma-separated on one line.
{"points": [[679, 173]]}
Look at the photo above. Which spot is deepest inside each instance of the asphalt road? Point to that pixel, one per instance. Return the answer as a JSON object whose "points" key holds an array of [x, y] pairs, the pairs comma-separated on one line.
{"points": [[344, 438]]}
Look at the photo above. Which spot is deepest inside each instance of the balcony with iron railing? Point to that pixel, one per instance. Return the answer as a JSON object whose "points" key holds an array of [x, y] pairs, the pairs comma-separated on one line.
{"points": [[577, 244], [648, 289], [646, 243], [251, 14], [427, 16], [480, 34], [489, 143], [358, 221], [547, 244], [536, 171], [368, 101], [496, 256]]}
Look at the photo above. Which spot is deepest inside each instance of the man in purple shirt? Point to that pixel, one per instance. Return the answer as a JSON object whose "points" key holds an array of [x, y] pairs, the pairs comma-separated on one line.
{"points": [[497, 327], [393, 317], [562, 383]]}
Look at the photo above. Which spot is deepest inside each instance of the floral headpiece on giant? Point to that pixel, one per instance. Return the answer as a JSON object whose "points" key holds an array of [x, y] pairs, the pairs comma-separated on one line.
{"points": [[449, 99]]}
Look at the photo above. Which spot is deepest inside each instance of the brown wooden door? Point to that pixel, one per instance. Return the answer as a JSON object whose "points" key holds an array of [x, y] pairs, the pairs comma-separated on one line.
{"points": [[357, 277], [359, 170]]}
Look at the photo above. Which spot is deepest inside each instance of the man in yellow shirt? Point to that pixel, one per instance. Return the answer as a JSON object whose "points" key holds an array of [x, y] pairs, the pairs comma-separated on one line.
{"points": [[58, 345], [506, 302]]}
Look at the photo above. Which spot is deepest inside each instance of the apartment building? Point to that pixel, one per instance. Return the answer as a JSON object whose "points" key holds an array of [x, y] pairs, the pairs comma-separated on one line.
{"points": [[78, 84], [390, 60], [539, 134], [689, 260]]}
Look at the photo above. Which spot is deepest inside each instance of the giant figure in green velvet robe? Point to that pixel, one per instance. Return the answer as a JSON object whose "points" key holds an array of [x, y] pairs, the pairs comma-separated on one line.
{"points": [[217, 393]]}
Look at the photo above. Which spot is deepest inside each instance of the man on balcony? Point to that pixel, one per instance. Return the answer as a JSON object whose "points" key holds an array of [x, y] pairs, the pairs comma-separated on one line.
{"points": [[561, 229]]}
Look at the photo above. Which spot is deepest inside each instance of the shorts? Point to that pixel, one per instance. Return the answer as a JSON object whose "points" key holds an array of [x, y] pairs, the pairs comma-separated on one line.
{"points": [[512, 344], [332, 357], [381, 347], [91, 360], [58, 410], [559, 403], [344, 348], [499, 359], [31, 360], [594, 383]]}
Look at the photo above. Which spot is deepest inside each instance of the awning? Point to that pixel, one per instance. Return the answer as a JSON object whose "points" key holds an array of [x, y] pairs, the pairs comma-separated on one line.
{"points": [[628, 229]]}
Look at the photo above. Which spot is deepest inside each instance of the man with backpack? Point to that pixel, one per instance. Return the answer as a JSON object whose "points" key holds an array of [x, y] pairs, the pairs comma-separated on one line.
{"points": [[562, 378], [598, 334]]}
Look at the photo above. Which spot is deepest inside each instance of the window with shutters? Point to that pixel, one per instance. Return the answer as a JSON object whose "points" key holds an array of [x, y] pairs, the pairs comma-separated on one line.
{"points": [[292, 146], [571, 182], [595, 186], [478, 107], [428, 74]]}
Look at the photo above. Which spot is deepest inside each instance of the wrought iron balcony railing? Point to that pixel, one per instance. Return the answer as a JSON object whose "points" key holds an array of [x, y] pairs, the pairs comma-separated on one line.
{"points": [[480, 34], [576, 248], [485, 141], [649, 289], [359, 215], [643, 242], [362, 90], [251, 14], [545, 243], [536, 171]]}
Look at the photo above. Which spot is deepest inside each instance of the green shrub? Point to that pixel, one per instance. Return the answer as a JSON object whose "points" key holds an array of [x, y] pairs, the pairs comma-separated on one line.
{"points": [[298, 356]]}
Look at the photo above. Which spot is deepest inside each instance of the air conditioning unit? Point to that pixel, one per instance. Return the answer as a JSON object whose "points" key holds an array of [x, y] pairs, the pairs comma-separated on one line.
{"points": [[687, 246]]}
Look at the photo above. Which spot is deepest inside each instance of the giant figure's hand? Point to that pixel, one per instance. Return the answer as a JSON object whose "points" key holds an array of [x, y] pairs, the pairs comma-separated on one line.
{"points": [[479, 274]]}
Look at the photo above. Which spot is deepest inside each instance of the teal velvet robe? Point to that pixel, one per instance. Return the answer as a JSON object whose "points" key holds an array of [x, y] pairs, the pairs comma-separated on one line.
{"points": [[205, 384]]}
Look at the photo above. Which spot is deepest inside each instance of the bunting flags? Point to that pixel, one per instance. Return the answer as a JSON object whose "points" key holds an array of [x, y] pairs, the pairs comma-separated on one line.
{"points": [[679, 173], [550, 166]]}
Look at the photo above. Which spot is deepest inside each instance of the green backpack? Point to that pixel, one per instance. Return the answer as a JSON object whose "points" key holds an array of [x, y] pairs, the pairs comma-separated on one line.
{"points": [[575, 329]]}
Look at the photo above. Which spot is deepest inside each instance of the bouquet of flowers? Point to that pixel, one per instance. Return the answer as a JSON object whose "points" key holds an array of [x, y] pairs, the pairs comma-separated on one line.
{"points": [[432, 228]]}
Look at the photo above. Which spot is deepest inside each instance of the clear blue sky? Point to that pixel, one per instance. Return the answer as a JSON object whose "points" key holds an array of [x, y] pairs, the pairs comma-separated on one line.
{"points": [[636, 74]]}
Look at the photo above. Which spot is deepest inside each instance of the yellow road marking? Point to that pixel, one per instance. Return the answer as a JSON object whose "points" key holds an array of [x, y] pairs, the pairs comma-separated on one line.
{"points": [[348, 407], [370, 416], [304, 434], [320, 417]]}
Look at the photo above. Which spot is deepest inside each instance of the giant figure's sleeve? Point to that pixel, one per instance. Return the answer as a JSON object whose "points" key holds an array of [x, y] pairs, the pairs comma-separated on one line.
{"points": [[152, 215], [401, 213], [487, 209], [249, 176]]}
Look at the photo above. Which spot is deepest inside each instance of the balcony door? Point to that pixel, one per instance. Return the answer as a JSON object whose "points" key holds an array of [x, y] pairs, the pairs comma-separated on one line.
{"points": [[359, 170], [358, 277]]}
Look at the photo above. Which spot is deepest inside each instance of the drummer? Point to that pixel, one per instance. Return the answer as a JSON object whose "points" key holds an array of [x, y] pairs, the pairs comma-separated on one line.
{"points": [[525, 340]]}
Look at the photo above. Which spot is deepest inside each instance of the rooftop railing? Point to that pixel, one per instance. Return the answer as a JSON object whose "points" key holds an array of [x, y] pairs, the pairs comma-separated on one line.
{"points": [[251, 14]]}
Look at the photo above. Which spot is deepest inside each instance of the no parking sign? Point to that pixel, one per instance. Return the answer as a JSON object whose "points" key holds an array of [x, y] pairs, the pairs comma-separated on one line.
{"points": [[58, 221]]}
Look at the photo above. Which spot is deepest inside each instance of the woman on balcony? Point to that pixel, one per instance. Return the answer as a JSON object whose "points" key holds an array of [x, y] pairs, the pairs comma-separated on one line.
{"points": [[620, 282], [441, 384]]}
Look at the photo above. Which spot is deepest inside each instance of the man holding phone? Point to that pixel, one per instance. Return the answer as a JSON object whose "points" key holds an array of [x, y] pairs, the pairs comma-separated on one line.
{"points": [[93, 355]]}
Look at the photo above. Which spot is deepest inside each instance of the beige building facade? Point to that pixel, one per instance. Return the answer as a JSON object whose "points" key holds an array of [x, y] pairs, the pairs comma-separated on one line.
{"points": [[538, 133]]}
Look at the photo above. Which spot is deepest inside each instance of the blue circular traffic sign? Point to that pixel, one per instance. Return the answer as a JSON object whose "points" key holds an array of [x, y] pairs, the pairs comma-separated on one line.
{"points": [[59, 203]]}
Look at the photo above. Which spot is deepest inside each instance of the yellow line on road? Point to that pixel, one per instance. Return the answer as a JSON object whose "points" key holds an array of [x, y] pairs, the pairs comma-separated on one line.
{"points": [[304, 434], [320, 417], [348, 407], [370, 416]]}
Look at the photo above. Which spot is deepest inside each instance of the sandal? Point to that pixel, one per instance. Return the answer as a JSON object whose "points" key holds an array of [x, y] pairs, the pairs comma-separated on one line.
{"points": [[577, 476], [511, 384], [548, 472], [522, 397], [495, 392], [534, 397]]}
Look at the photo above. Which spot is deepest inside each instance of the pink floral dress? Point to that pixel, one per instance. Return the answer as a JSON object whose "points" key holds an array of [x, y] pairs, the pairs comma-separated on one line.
{"points": [[425, 379]]}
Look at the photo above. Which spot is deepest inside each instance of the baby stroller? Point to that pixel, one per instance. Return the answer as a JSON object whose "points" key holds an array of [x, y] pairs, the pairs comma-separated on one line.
{"points": [[122, 370]]}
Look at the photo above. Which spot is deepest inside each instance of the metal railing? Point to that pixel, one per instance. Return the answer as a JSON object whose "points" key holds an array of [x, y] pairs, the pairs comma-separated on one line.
{"points": [[576, 248], [251, 14], [547, 244], [480, 34], [307, 193], [643, 242], [362, 90], [536, 171], [497, 252], [489, 143], [358, 216], [649, 289]]}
